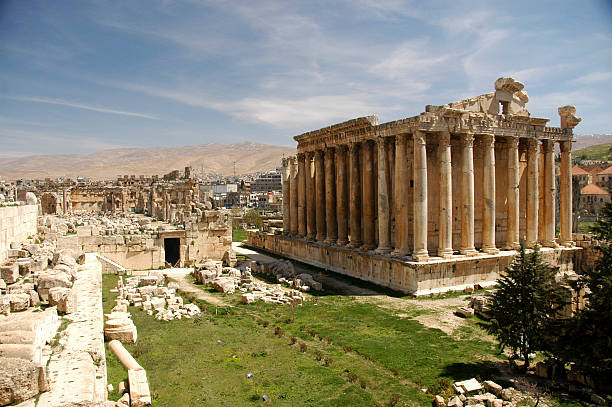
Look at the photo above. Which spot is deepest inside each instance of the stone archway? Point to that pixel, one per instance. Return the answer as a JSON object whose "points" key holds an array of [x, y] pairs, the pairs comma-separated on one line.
{"points": [[49, 203]]}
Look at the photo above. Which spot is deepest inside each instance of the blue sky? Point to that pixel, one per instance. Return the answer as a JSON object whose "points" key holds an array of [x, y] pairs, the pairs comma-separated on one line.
{"points": [[81, 76]]}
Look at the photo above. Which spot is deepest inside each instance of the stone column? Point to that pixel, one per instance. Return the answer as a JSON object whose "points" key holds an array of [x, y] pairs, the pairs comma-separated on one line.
{"points": [[467, 195], [330, 197], [341, 195], [565, 238], [301, 211], [549, 194], [533, 192], [488, 195], [512, 240], [419, 252], [320, 198], [445, 236], [355, 196], [368, 196], [401, 196], [384, 233], [293, 209], [311, 225]]}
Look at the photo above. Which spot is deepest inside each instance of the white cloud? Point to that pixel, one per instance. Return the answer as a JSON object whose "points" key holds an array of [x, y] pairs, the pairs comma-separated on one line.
{"points": [[594, 77], [410, 59], [61, 102]]}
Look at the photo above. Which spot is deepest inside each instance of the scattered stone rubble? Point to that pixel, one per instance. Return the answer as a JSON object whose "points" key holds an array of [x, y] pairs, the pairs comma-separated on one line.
{"points": [[229, 279], [488, 394], [150, 294], [36, 273]]}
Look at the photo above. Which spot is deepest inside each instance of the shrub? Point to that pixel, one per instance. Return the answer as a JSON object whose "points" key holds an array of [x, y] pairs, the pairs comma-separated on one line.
{"points": [[278, 331], [293, 340], [265, 323], [318, 355], [362, 383], [347, 349], [303, 347], [352, 377]]}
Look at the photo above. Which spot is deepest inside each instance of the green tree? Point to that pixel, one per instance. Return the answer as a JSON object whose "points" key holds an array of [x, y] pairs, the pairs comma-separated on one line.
{"points": [[586, 339], [251, 217], [524, 305]]}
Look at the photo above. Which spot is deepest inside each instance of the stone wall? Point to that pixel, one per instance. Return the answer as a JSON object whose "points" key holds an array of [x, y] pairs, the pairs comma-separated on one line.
{"points": [[16, 224], [417, 278], [590, 254]]}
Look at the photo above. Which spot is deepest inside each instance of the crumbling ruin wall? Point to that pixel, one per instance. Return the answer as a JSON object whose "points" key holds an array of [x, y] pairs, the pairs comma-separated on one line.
{"points": [[208, 238], [16, 224]]}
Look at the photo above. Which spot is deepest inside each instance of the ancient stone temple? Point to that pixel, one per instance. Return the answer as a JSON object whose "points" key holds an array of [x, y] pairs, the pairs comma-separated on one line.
{"points": [[429, 202]]}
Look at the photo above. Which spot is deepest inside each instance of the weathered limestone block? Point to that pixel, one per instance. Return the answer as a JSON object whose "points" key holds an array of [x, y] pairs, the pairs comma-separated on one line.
{"points": [[2, 285], [64, 298], [439, 401], [119, 326], [9, 273], [18, 301], [25, 351], [24, 265], [455, 402], [5, 305], [224, 285], [140, 394], [20, 380], [492, 387], [19, 337], [38, 264], [64, 256], [148, 280], [50, 280]]}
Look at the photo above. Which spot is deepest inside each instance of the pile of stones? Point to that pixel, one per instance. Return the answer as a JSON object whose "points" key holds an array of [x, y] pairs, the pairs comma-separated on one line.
{"points": [[39, 273], [229, 279], [472, 393], [155, 298], [89, 224], [284, 272]]}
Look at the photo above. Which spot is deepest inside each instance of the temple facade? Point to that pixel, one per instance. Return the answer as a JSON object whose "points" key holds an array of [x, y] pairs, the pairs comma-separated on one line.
{"points": [[451, 188]]}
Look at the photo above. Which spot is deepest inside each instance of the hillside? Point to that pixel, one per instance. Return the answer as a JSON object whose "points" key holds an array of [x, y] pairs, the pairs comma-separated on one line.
{"points": [[107, 164], [597, 152]]}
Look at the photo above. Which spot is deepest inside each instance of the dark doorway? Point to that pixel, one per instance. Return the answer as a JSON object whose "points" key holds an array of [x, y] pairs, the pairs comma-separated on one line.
{"points": [[172, 247]]}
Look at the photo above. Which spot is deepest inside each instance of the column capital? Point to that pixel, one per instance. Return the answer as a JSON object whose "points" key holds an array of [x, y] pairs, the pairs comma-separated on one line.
{"points": [[487, 140], [320, 153], [352, 146], [444, 139], [300, 156], [420, 137], [329, 151], [309, 155], [401, 139], [467, 139], [547, 145], [566, 146], [532, 144], [513, 142]]}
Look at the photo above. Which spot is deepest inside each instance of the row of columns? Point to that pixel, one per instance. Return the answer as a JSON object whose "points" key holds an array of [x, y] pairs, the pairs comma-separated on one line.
{"points": [[329, 195]]}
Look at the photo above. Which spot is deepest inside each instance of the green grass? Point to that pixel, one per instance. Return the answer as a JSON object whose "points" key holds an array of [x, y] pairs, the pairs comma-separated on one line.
{"points": [[596, 152], [238, 235], [585, 227], [356, 354]]}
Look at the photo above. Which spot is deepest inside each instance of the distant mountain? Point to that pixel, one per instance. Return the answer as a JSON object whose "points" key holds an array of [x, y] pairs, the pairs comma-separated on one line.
{"points": [[587, 140], [108, 164]]}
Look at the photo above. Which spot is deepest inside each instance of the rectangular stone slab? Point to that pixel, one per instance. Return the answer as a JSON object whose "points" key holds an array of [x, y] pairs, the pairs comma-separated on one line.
{"points": [[139, 388]]}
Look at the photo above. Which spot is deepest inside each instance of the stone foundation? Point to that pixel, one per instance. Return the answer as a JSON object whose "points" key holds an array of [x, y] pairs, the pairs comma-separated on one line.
{"points": [[16, 224], [417, 278]]}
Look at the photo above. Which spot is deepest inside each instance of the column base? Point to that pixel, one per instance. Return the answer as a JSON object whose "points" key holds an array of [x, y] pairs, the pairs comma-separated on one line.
{"points": [[342, 242], [550, 243], [399, 253], [420, 255], [470, 252], [512, 246], [445, 253], [383, 250], [367, 247], [310, 237], [354, 245], [568, 243], [330, 241], [490, 250], [320, 238]]}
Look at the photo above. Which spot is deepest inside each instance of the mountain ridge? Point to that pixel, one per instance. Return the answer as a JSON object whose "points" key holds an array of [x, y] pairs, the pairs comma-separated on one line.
{"points": [[215, 158]]}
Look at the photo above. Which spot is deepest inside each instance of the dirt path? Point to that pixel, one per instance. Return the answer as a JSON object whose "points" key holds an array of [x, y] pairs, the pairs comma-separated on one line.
{"points": [[180, 275]]}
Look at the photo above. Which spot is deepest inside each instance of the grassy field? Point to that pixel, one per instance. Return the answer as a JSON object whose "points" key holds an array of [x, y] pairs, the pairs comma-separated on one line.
{"points": [[339, 351], [238, 235], [596, 152]]}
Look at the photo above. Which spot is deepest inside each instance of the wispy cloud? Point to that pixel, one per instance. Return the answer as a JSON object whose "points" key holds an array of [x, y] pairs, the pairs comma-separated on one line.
{"points": [[60, 102], [595, 77]]}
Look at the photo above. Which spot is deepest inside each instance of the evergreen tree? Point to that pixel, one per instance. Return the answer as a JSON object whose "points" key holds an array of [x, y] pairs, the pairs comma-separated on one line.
{"points": [[524, 305], [586, 339]]}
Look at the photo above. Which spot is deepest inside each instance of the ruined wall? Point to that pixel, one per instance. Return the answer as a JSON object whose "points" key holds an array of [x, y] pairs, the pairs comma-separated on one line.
{"points": [[590, 254], [16, 224], [209, 238], [404, 276]]}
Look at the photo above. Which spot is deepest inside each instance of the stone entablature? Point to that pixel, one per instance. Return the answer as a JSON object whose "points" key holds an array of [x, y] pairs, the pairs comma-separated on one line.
{"points": [[465, 178]]}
